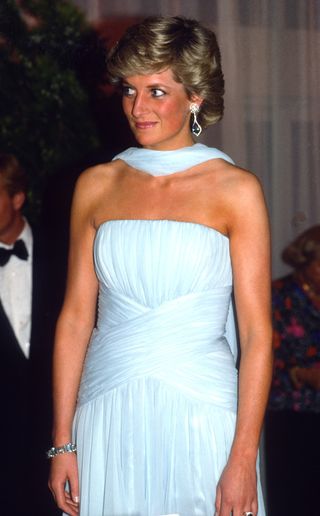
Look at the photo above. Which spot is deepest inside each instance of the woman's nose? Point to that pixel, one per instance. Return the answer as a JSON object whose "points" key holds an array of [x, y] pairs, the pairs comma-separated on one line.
{"points": [[140, 105]]}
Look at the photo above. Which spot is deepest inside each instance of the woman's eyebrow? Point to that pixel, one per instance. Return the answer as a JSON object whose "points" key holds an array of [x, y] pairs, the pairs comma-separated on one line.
{"points": [[150, 86], [157, 85]]}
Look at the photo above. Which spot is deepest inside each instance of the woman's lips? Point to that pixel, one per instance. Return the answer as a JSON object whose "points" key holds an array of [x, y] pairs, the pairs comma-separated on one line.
{"points": [[145, 125]]}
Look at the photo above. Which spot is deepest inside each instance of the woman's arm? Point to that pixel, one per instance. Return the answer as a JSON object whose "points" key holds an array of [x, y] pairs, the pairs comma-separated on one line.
{"points": [[250, 253], [73, 332]]}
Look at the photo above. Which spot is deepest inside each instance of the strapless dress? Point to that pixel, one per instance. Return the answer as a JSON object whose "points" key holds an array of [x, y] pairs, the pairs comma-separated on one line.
{"points": [[157, 404]]}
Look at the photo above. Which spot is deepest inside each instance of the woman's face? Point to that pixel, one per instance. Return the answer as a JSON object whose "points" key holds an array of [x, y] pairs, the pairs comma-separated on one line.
{"points": [[158, 110]]}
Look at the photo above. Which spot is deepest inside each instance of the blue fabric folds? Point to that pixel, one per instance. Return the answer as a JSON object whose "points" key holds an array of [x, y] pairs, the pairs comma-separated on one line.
{"points": [[157, 403]]}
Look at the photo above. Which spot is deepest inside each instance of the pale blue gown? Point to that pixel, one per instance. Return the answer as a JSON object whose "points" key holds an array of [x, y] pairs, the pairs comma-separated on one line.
{"points": [[157, 404]]}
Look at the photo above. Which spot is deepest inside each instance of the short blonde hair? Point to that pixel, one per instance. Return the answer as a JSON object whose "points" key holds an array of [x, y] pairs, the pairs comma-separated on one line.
{"points": [[304, 249], [183, 45]]}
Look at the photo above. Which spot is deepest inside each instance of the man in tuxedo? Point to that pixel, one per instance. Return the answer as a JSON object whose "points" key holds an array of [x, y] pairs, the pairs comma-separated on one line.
{"points": [[28, 310]]}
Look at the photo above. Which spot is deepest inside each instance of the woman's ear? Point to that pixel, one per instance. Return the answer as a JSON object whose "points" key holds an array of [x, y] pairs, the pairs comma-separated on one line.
{"points": [[196, 99]]}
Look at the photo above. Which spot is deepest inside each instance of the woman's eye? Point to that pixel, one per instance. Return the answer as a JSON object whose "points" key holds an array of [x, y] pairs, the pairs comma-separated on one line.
{"points": [[157, 93], [127, 91]]}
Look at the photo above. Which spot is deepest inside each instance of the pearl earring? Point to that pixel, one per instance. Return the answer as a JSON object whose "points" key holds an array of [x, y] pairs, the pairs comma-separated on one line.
{"points": [[196, 128]]}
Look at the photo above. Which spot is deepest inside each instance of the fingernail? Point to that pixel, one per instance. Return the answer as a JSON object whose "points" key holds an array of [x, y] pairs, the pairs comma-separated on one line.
{"points": [[76, 499]]}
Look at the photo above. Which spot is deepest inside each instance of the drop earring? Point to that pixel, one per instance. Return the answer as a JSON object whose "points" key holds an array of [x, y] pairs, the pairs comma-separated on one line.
{"points": [[196, 128]]}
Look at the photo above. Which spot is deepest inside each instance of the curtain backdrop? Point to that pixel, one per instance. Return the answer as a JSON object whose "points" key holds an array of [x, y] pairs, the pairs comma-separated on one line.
{"points": [[271, 55]]}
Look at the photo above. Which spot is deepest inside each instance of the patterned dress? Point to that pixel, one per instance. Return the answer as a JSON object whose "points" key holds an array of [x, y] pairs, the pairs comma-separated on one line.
{"points": [[296, 343], [292, 430]]}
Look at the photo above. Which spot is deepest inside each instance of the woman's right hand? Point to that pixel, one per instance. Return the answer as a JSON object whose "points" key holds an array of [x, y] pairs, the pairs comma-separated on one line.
{"points": [[64, 483]]}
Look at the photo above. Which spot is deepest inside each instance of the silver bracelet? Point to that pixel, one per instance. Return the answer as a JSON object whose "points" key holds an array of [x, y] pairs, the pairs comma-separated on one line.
{"points": [[66, 448]]}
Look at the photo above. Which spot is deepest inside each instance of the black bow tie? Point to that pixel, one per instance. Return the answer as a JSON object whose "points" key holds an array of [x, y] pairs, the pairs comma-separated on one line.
{"points": [[19, 249]]}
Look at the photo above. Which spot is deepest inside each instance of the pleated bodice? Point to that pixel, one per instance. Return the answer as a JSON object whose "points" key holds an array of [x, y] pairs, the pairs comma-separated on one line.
{"points": [[164, 300]]}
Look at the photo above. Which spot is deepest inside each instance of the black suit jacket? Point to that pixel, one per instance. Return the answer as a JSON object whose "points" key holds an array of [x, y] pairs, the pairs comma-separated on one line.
{"points": [[25, 393]]}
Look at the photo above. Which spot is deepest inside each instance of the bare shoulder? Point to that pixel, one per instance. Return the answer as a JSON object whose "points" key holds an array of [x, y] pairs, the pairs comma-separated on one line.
{"points": [[237, 186], [97, 178], [93, 186], [235, 181], [238, 194]]}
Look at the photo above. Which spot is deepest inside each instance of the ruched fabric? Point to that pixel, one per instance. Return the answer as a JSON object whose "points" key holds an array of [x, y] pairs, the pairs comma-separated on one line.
{"points": [[156, 410]]}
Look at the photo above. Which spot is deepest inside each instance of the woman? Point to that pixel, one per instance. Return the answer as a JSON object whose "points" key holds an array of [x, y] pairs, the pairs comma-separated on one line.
{"points": [[293, 421], [157, 425]]}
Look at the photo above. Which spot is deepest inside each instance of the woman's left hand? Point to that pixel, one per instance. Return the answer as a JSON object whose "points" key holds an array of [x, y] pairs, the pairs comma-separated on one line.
{"points": [[237, 489]]}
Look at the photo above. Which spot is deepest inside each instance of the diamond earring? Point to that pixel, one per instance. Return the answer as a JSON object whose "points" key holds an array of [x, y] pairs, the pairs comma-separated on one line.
{"points": [[196, 128]]}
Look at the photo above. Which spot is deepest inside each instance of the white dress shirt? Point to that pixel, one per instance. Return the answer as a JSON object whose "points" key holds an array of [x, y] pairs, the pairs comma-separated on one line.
{"points": [[16, 290]]}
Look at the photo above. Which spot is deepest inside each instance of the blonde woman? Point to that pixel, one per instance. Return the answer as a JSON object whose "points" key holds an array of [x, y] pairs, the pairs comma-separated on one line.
{"points": [[162, 235]]}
